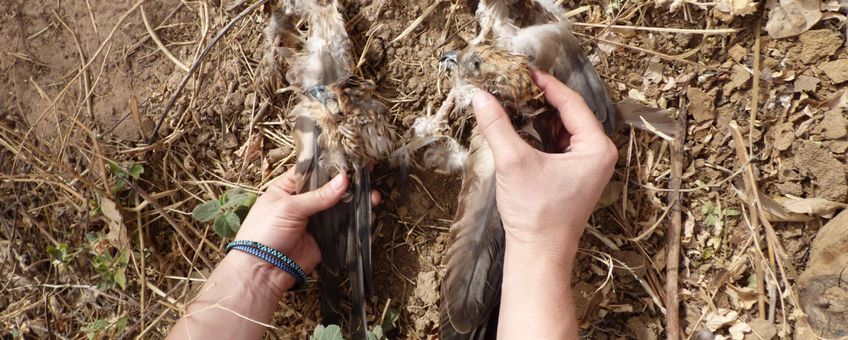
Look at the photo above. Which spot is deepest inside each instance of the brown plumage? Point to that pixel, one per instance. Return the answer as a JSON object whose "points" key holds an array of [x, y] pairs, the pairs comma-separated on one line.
{"points": [[282, 39], [470, 290], [339, 126]]}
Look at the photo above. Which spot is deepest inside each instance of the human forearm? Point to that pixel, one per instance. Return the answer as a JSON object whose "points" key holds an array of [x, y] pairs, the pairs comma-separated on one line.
{"points": [[536, 301], [242, 292]]}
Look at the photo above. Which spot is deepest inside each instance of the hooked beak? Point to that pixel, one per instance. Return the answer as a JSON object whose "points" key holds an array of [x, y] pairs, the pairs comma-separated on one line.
{"points": [[320, 93], [448, 61]]}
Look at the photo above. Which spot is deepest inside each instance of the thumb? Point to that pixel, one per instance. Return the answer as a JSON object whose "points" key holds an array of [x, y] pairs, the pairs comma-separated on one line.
{"points": [[496, 127], [309, 203]]}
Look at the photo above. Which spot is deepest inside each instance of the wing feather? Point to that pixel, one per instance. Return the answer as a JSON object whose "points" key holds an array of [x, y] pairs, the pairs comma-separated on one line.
{"points": [[471, 288]]}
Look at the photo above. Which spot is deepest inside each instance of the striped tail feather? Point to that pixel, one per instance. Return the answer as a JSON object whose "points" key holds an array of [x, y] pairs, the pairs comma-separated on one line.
{"points": [[359, 252]]}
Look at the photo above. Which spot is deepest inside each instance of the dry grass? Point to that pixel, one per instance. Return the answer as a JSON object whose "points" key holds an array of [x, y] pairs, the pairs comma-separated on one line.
{"points": [[195, 124]]}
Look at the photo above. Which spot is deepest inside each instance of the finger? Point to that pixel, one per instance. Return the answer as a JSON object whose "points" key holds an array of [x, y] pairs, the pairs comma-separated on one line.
{"points": [[375, 198], [283, 185], [496, 127], [575, 114], [309, 203]]}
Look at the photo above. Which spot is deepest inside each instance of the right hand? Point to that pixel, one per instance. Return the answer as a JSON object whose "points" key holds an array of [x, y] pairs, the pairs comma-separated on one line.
{"points": [[545, 199]]}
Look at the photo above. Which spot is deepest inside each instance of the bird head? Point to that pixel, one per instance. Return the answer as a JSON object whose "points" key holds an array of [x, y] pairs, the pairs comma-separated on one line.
{"points": [[326, 97], [506, 75], [466, 64]]}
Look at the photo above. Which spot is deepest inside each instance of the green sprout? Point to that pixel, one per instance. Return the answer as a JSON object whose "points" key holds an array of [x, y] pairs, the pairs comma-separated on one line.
{"points": [[227, 212]]}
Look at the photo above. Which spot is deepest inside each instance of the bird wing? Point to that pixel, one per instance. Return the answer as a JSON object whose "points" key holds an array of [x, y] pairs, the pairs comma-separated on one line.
{"points": [[471, 287], [327, 227], [554, 49]]}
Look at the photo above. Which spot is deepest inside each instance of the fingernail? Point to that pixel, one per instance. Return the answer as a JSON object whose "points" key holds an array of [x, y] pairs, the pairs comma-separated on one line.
{"points": [[337, 182]]}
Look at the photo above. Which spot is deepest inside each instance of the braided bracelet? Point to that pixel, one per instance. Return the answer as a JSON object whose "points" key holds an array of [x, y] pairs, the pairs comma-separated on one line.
{"points": [[273, 257]]}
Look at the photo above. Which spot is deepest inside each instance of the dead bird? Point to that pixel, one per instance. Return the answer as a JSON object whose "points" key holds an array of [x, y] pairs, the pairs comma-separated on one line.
{"points": [[470, 290], [339, 126]]}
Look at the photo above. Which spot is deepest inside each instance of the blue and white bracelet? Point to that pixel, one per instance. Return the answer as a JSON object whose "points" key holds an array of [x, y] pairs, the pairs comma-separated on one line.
{"points": [[271, 256]]}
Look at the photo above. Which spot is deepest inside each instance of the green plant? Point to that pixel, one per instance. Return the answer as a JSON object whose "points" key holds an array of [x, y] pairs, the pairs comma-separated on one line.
{"points": [[59, 254], [331, 332], [226, 211], [110, 329], [334, 332], [112, 269], [123, 175], [389, 323]]}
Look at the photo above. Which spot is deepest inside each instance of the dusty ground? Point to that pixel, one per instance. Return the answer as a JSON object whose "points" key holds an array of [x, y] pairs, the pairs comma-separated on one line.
{"points": [[56, 139]]}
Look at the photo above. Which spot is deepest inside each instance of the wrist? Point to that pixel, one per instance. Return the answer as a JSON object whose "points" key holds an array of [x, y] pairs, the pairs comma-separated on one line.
{"points": [[555, 244], [257, 275]]}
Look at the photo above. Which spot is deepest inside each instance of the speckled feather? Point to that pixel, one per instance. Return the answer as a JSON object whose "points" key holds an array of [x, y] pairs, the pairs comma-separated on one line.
{"points": [[340, 132]]}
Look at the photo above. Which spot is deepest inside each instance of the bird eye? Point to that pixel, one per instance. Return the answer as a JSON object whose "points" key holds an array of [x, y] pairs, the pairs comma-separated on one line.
{"points": [[477, 64]]}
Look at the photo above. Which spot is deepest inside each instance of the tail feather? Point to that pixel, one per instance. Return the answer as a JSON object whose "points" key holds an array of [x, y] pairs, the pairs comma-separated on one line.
{"points": [[359, 252]]}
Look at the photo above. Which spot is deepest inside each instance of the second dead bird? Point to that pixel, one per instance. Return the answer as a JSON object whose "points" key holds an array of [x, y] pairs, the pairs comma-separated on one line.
{"points": [[470, 291]]}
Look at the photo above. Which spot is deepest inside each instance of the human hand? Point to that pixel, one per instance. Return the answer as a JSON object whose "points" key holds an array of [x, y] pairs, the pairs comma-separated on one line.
{"points": [[279, 217], [545, 200]]}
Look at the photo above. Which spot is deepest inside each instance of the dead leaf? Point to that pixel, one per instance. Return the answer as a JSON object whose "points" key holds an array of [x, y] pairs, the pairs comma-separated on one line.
{"points": [[774, 211], [611, 194], [792, 17], [716, 320], [251, 149], [838, 100], [765, 330], [738, 330], [742, 297], [117, 235], [736, 7], [812, 206], [647, 118]]}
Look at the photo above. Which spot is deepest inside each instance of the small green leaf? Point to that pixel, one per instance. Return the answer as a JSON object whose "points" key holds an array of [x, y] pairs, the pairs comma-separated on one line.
{"points": [[58, 253], [707, 207], [121, 277], [222, 227], [124, 257], [331, 332], [120, 325], [206, 211], [244, 199], [391, 319], [136, 170], [376, 333], [233, 221], [95, 327], [119, 186], [731, 212], [712, 220], [115, 168]]}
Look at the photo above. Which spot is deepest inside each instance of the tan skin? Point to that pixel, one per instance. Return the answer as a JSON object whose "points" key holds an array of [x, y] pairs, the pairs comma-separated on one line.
{"points": [[544, 217]]}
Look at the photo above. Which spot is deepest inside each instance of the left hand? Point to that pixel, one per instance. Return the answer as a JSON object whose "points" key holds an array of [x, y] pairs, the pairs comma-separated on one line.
{"points": [[279, 217]]}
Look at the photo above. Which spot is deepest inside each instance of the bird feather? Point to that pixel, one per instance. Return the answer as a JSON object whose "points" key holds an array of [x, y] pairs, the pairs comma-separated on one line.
{"points": [[472, 282], [329, 143], [471, 286]]}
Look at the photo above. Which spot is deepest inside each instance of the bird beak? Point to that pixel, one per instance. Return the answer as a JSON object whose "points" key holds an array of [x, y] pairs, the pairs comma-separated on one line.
{"points": [[323, 95], [448, 61], [320, 93]]}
